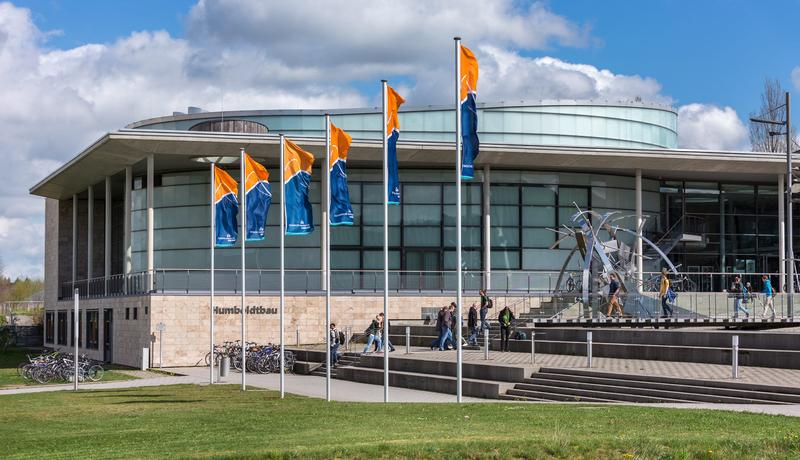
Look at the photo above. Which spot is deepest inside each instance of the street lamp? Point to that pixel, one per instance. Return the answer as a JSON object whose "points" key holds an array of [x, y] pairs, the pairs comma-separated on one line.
{"points": [[789, 179]]}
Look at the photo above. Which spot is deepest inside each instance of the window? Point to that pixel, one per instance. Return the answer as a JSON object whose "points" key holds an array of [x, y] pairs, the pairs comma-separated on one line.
{"points": [[62, 328], [49, 326], [92, 329], [135, 312], [127, 313]]}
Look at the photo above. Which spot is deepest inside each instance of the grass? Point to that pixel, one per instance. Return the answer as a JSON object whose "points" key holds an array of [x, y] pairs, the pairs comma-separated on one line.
{"points": [[183, 421], [11, 357]]}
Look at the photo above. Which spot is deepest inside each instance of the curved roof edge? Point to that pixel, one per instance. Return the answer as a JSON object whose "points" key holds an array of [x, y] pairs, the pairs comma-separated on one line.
{"points": [[363, 110]]}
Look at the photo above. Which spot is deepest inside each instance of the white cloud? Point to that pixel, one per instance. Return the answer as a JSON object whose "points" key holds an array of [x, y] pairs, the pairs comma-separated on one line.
{"points": [[796, 77], [709, 127], [299, 54]]}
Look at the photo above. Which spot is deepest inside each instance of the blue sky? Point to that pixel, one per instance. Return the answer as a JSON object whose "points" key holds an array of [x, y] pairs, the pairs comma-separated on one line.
{"points": [[713, 51], [71, 71]]}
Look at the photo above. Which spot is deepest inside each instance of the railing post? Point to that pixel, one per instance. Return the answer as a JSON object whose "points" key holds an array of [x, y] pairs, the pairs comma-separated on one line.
{"points": [[408, 340], [589, 349], [533, 344], [297, 332], [735, 357], [188, 281], [486, 344]]}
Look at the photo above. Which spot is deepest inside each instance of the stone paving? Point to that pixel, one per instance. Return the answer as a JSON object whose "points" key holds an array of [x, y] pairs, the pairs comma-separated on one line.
{"points": [[756, 375]]}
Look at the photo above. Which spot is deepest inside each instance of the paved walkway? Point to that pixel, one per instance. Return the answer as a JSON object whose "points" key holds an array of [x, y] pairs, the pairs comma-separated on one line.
{"points": [[756, 375]]}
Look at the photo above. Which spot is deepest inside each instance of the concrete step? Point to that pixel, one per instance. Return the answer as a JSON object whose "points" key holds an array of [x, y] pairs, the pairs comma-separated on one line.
{"points": [[769, 389], [625, 387], [611, 394], [435, 383], [531, 395], [687, 391]]}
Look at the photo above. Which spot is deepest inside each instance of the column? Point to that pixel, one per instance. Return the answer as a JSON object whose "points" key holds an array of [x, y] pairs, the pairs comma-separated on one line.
{"points": [[127, 256], [107, 228], [107, 236], [150, 190], [89, 232], [74, 239], [487, 227], [781, 234], [639, 256]]}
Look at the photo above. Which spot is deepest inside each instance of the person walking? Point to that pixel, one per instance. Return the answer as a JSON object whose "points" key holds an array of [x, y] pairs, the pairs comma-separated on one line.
{"points": [[447, 334], [663, 291], [439, 331], [739, 292], [334, 345], [613, 295], [385, 324], [769, 296], [505, 318], [486, 304], [472, 324], [374, 335]]}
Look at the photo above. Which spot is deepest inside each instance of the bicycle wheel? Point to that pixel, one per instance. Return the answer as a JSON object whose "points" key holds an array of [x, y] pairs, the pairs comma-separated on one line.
{"points": [[95, 373], [22, 370], [208, 358]]}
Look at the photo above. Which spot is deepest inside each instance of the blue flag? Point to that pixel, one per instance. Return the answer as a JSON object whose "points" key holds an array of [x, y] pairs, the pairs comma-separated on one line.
{"points": [[297, 179], [392, 133], [469, 113], [226, 208], [341, 212], [258, 198]]}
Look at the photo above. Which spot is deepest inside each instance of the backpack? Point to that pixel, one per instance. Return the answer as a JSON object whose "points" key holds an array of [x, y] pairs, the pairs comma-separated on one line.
{"points": [[341, 337], [671, 295], [745, 295]]}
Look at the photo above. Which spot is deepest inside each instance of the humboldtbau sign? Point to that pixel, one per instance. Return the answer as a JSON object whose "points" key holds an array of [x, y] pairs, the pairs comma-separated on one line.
{"points": [[250, 310]]}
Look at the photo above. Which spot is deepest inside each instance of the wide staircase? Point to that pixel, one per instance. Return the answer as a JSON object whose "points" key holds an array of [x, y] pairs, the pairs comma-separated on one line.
{"points": [[577, 385]]}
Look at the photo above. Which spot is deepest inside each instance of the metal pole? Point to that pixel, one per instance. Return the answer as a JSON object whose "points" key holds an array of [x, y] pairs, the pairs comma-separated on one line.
{"points": [[735, 357], [639, 223], [327, 229], [150, 220], [533, 344], [75, 326], [589, 349], [459, 351], [789, 220], [486, 344], [243, 237], [297, 336], [408, 340], [385, 241], [212, 198], [282, 263], [160, 349]]}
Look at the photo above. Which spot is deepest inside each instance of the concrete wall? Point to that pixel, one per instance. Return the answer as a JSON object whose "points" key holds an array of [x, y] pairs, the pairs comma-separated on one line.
{"points": [[51, 251]]}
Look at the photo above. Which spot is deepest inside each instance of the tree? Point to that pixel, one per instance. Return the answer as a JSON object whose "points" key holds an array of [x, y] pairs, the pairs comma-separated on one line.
{"points": [[773, 102]]}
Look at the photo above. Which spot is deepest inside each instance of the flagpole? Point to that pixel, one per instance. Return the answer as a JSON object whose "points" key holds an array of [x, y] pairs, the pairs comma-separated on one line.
{"points": [[458, 218], [243, 236], [327, 229], [211, 298], [385, 245], [283, 261]]}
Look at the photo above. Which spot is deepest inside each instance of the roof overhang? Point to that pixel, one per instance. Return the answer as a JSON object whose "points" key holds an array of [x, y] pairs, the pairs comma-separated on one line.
{"points": [[173, 150]]}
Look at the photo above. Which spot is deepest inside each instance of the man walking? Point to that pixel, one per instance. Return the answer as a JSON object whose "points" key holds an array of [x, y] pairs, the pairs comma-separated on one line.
{"points": [[334, 345], [613, 295], [738, 292], [446, 335], [769, 296], [486, 304], [505, 318], [472, 324], [663, 291]]}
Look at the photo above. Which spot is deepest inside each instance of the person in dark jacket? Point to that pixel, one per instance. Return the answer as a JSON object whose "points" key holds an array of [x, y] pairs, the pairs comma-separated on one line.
{"points": [[374, 334], [334, 345], [486, 304], [447, 332], [385, 324], [472, 324], [439, 325], [505, 318]]}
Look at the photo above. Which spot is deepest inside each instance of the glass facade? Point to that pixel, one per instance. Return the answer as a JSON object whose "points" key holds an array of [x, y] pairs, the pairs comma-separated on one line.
{"points": [[561, 124]]}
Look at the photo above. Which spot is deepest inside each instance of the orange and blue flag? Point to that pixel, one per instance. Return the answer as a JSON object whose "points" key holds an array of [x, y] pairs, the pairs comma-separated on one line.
{"points": [[297, 165], [341, 211], [392, 133], [469, 112], [258, 197], [226, 208]]}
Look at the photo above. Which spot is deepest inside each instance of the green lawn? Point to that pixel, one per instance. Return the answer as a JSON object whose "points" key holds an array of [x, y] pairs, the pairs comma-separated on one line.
{"points": [[11, 357], [222, 422]]}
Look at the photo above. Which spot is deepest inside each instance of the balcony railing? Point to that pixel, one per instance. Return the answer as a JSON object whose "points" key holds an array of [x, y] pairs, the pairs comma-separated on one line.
{"points": [[228, 281]]}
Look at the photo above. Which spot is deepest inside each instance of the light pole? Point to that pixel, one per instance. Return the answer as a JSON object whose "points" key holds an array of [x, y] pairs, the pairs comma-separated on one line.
{"points": [[789, 256]]}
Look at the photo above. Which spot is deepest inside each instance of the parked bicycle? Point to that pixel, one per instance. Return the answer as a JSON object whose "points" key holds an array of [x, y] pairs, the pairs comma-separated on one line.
{"points": [[56, 366], [260, 359]]}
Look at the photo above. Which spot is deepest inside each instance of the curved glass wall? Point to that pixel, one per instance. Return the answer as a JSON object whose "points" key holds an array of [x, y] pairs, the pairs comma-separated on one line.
{"points": [[590, 125]]}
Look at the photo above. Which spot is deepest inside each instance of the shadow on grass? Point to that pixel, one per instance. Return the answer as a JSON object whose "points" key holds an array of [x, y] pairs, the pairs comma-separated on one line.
{"points": [[162, 401]]}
